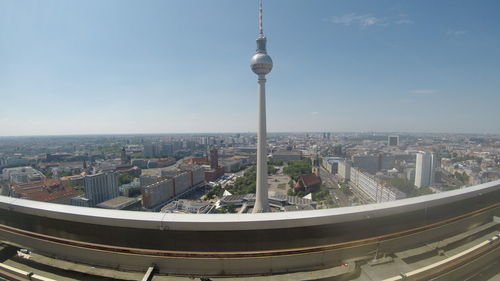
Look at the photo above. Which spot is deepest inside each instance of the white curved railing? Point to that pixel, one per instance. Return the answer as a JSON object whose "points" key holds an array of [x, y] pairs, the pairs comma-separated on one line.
{"points": [[207, 222]]}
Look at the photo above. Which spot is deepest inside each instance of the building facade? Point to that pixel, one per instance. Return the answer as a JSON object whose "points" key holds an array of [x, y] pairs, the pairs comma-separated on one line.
{"points": [[425, 169], [373, 163], [285, 155], [344, 170], [214, 159], [393, 140], [100, 187], [157, 193], [373, 189], [331, 164]]}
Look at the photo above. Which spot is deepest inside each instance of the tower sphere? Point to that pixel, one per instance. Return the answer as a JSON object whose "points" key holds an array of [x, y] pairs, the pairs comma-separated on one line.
{"points": [[261, 64]]}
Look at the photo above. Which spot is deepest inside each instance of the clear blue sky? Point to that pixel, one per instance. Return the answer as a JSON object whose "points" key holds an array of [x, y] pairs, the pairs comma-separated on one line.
{"points": [[78, 67]]}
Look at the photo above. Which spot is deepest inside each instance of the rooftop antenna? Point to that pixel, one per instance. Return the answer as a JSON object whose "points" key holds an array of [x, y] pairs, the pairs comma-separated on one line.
{"points": [[261, 30]]}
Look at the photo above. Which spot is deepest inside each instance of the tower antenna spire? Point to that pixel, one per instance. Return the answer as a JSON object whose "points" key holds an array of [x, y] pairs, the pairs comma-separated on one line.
{"points": [[261, 29]]}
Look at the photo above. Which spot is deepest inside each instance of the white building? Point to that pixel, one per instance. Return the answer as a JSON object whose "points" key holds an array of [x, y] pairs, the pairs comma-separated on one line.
{"points": [[373, 189], [344, 170], [22, 174], [425, 169]]}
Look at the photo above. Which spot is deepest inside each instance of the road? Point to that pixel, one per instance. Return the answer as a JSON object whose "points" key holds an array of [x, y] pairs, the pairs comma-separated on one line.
{"points": [[331, 182]]}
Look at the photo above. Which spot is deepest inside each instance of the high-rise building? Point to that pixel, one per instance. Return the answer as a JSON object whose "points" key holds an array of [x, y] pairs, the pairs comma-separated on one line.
{"points": [[393, 140], [149, 150], [373, 163], [100, 187], [214, 159], [261, 65], [337, 150], [425, 169], [368, 163], [177, 145], [123, 157], [167, 149], [153, 150], [344, 170]]}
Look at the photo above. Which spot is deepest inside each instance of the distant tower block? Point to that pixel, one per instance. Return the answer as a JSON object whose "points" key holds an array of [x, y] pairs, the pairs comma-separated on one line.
{"points": [[123, 156], [261, 65], [214, 159], [393, 140], [316, 161]]}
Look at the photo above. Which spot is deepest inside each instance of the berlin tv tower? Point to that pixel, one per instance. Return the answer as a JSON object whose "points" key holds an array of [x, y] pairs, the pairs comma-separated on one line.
{"points": [[261, 64]]}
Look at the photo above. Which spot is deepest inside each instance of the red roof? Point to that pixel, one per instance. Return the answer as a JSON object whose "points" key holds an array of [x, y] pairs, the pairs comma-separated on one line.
{"points": [[44, 190], [198, 160], [309, 180]]}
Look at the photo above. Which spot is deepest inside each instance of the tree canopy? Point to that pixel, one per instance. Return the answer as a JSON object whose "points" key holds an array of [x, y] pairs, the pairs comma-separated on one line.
{"points": [[125, 178], [296, 168]]}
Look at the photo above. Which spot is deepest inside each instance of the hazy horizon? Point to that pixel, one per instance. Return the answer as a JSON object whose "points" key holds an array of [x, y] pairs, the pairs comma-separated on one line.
{"points": [[254, 133]]}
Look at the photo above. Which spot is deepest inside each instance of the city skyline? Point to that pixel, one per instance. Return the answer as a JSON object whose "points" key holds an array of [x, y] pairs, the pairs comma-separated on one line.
{"points": [[166, 67]]}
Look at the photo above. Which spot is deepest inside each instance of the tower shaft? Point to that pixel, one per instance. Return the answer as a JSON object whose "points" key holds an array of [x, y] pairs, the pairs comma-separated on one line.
{"points": [[261, 196], [261, 65]]}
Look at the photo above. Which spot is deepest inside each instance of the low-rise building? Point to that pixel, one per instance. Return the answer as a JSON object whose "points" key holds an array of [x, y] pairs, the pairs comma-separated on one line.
{"points": [[287, 155], [121, 203], [234, 163], [45, 190], [80, 201], [22, 174], [308, 183], [131, 189], [331, 164], [187, 206], [214, 174]]}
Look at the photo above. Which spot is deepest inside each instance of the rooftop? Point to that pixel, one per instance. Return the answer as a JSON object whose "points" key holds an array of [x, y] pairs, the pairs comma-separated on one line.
{"points": [[119, 202]]}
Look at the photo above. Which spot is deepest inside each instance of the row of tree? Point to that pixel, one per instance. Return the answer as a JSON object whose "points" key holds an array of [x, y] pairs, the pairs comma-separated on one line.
{"points": [[408, 187], [242, 185]]}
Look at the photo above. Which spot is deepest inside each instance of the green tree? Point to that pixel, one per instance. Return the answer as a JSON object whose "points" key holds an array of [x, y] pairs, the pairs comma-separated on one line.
{"points": [[463, 177], [65, 174], [216, 191], [48, 173], [231, 208], [346, 189], [245, 184], [424, 191], [125, 179], [297, 168], [321, 194], [271, 161], [403, 185]]}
